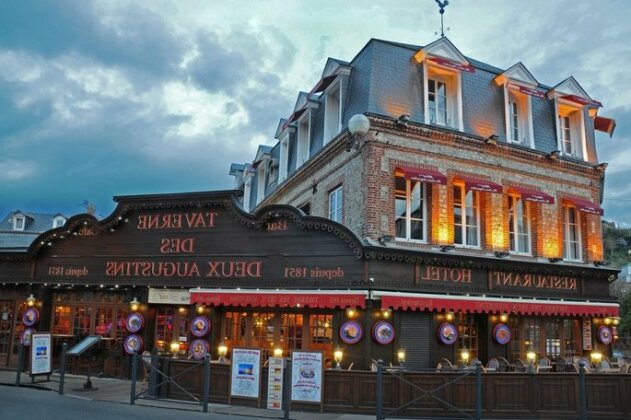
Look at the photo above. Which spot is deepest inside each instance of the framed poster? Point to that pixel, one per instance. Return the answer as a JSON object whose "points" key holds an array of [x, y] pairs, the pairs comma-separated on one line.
{"points": [[587, 334], [276, 367], [245, 377], [306, 376], [27, 334], [41, 353]]}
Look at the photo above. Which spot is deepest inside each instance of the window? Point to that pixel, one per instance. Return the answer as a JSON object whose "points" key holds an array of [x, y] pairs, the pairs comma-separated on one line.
{"points": [[332, 112], [410, 204], [466, 217], [514, 121], [518, 117], [260, 183], [284, 159], [443, 98], [553, 338], [519, 225], [305, 208], [304, 134], [321, 334], [58, 222], [18, 223], [336, 204], [247, 191], [570, 130], [572, 247], [467, 334]]}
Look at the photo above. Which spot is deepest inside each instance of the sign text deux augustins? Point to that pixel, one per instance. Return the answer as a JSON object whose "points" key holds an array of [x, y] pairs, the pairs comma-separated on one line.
{"points": [[177, 242], [496, 279]]}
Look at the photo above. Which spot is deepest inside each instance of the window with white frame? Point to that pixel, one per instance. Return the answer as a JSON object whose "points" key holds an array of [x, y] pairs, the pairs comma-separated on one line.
{"points": [[466, 217], [336, 204], [247, 191], [303, 141], [572, 244], [571, 130], [284, 159], [518, 118], [271, 171], [18, 222], [332, 111], [260, 182], [410, 206], [58, 222], [443, 98], [519, 225]]}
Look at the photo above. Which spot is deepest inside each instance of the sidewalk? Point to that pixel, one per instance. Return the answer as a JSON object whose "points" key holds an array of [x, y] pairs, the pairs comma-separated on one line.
{"points": [[119, 391]]}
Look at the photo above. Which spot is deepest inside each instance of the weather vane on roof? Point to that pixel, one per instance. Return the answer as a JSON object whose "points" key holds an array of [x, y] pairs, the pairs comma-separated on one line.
{"points": [[441, 7]]}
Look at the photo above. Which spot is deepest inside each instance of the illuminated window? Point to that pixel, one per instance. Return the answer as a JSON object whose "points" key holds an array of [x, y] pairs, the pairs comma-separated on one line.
{"points": [[572, 245], [519, 225], [518, 117], [443, 102], [570, 130], [466, 217], [410, 206]]}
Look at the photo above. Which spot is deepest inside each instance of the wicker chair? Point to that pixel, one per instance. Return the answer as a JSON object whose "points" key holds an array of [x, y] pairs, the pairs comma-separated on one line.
{"points": [[444, 365], [493, 365]]}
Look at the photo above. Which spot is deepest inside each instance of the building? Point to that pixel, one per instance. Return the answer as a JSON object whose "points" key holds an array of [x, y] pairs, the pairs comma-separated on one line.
{"points": [[18, 229], [462, 161]]}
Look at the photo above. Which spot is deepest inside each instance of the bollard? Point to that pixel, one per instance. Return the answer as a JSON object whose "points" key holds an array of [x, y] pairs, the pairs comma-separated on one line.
{"points": [[379, 391], [287, 389], [134, 374], [582, 394], [62, 367], [478, 390], [206, 383], [20, 364]]}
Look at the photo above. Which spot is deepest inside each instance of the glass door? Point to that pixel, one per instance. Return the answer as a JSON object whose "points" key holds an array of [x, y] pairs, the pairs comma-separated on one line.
{"points": [[6, 325]]}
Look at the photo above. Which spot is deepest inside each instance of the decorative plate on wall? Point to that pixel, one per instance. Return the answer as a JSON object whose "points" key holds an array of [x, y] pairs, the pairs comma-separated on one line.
{"points": [[351, 332], [199, 349], [27, 336], [383, 332], [447, 333], [200, 326], [30, 317], [502, 333], [134, 322], [133, 344], [604, 334]]}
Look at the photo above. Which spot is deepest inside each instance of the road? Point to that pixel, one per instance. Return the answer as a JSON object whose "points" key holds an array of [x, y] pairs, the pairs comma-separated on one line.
{"points": [[36, 404]]}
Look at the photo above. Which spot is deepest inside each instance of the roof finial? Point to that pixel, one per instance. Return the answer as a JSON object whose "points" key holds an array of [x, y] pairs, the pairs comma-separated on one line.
{"points": [[441, 6]]}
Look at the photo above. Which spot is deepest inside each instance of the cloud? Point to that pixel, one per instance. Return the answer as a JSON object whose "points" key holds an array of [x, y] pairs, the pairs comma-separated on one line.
{"points": [[12, 170]]}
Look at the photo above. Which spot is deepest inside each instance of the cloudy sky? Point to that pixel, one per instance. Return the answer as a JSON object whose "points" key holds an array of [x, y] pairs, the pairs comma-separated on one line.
{"points": [[103, 98]]}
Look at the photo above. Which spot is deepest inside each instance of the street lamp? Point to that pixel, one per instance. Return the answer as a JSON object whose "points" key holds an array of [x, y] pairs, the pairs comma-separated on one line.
{"points": [[278, 352], [358, 126], [401, 356], [31, 300], [134, 304]]}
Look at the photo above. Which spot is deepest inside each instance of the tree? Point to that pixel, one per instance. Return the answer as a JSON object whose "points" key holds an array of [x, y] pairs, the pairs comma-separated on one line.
{"points": [[625, 315]]}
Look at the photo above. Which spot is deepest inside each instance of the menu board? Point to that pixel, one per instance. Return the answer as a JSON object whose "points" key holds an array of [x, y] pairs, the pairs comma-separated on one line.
{"points": [[40, 353], [587, 334], [246, 373], [276, 367], [306, 376]]}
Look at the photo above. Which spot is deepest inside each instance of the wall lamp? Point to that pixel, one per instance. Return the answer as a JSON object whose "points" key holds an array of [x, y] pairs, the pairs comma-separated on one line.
{"points": [[445, 248], [501, 254], [554, 155], [358, 126], [492, 139], [403, 121], [601, 167], [384, 239], [554, 259]]}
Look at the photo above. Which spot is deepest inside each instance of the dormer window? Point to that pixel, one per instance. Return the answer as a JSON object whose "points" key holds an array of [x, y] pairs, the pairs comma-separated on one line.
{"points": [[284, 159], [332, 111], [19, 222], [571, 131], [58, 222], [260, 183], [443, 97], [304, 139], [437, 102]]}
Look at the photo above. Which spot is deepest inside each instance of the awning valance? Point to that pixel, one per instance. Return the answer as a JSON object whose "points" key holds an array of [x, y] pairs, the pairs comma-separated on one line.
{"points": [[453, 64], [606, 125], [480, 185], [281, 298], [478, 304], [323, 84], [581, 101], [423, 175], [534, 196], [528, 90], [585, 206]]}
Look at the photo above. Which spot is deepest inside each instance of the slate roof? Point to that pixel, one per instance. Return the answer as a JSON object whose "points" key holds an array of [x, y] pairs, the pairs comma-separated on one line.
{"points": [[35, 223]]}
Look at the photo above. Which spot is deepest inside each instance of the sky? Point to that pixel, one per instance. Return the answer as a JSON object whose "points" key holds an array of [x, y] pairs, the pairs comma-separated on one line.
{"points": [[105, 98]]}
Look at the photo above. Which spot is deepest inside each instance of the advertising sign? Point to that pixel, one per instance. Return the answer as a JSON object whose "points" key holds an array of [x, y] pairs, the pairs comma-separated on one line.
{"points": [[41, 353], [246, 373], [587, 334], [276, 367], [306, 376]]}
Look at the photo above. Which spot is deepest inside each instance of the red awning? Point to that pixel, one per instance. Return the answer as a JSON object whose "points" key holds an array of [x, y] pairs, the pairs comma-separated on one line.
{"points": [[452, 64], [581, 101], [323, 84], [585, 205], [528, 90], [534, 196], [606, 125], [423, 175], [281, 298], [479, 185], [420, 301]]}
